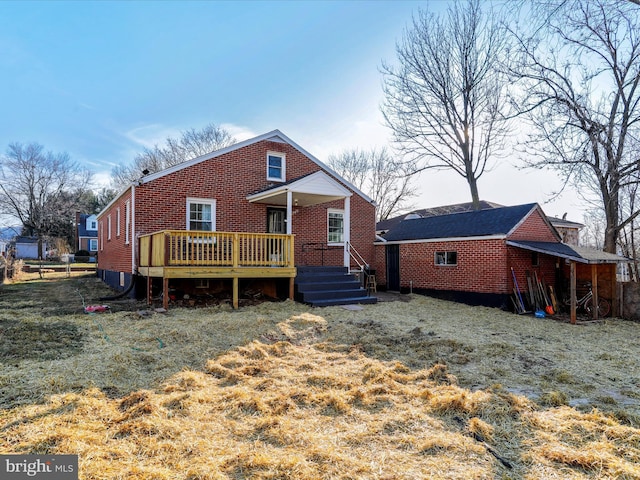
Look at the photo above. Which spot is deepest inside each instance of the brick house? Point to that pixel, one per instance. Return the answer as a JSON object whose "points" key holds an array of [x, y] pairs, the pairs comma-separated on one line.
{"points": [[86, 233], [468, 256], [232, 216]]}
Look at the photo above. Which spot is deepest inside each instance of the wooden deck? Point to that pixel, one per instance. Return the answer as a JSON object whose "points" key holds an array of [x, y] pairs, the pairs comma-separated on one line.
{"points": [[193, 254]]}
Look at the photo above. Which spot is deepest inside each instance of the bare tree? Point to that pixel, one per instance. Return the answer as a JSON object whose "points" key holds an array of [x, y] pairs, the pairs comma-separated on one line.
{"points": [[40, 189], [579, 75], [445, 100], [191, 144], [377, 174]]}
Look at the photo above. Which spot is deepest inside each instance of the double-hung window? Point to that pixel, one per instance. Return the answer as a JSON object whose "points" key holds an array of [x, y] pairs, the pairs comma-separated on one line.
{"points": [[335, 224], [201, 214], [276, 163]]}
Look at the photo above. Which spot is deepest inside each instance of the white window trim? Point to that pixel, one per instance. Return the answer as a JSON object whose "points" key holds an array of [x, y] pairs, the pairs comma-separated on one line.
{"points": [[94, 241], [118, 222], [341, 212], [284, 166], [101, 226], [127, 221], [209, 201], [109, 227]]}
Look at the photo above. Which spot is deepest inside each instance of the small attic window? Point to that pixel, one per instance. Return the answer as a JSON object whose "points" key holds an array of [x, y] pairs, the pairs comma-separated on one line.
{"points": [[276, 166]]}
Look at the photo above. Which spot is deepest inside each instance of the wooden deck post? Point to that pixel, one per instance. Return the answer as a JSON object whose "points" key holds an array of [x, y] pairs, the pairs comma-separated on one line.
{"points": [[291, 287], [572, 291], [235, 293], [165, 293]]}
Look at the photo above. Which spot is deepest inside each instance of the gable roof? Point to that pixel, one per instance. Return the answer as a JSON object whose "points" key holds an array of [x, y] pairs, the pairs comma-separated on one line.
{"points": [[272, 136], [82, 226], [390, 223], [310, 189], [477, 223]]}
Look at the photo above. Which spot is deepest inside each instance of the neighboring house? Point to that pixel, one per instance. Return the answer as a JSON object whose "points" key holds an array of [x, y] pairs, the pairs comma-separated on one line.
{"points": [[7, 235], [232, 216], [27, 247], [569, 231], [86, 233], [468, 256]]}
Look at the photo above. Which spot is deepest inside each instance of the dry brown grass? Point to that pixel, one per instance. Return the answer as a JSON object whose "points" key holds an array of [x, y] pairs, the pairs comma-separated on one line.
{"points": [[398, 390]]}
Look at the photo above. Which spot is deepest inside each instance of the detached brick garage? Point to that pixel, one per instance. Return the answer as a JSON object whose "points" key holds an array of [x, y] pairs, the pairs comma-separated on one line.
{"points": [[469, 256]]}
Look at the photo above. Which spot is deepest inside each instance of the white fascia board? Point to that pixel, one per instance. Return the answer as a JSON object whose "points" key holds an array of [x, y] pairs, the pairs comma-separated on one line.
{"points": [[207, 156], [115, 199], [273, 136], [436, 240]]}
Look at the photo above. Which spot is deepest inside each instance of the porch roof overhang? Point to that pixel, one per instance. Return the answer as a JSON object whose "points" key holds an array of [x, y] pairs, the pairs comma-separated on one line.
{"points": [[308, 190], [569, 252]]}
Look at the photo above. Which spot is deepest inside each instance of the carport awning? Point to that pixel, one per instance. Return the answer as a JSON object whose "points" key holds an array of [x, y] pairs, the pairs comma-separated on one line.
{"points": [[574, 253]]}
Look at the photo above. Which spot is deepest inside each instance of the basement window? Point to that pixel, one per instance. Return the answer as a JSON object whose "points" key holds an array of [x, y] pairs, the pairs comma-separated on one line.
{"points": [[446, 258]]}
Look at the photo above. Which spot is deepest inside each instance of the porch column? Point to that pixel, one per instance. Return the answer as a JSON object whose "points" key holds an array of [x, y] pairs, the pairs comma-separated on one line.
{"points": [[289, 213], [347, 230]]}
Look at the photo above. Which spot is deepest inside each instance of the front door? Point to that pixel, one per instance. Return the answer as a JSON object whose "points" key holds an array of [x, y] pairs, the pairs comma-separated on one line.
{"points": [[276, 220]]}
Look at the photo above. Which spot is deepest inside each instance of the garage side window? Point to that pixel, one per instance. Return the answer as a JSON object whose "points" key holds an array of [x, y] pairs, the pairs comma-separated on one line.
{"points": [[446, 258]]}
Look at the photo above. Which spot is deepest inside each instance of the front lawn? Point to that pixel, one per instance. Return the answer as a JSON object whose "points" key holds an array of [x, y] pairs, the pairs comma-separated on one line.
{"points": [[405, 389]]}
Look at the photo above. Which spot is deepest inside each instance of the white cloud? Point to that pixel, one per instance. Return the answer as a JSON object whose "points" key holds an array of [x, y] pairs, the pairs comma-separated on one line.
{"points": [[150, 135]]}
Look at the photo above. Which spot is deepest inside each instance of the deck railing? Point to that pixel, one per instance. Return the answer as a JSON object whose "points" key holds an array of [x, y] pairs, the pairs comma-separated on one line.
{"points": [[184, 248]]}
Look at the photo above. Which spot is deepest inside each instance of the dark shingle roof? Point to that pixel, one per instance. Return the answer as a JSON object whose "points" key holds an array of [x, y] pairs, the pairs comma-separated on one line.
{"points": [[82, 227], [492, 221], [390, 223]]}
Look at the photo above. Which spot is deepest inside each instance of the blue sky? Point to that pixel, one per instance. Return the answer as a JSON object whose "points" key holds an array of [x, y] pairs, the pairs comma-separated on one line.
{"points": [[102, 80]]}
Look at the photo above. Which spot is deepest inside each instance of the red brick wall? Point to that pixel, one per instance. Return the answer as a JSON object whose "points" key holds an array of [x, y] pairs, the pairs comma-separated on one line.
{"points": [[161, 204], [115, 254], [521, 261], [534, 228], [480, 268]]}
